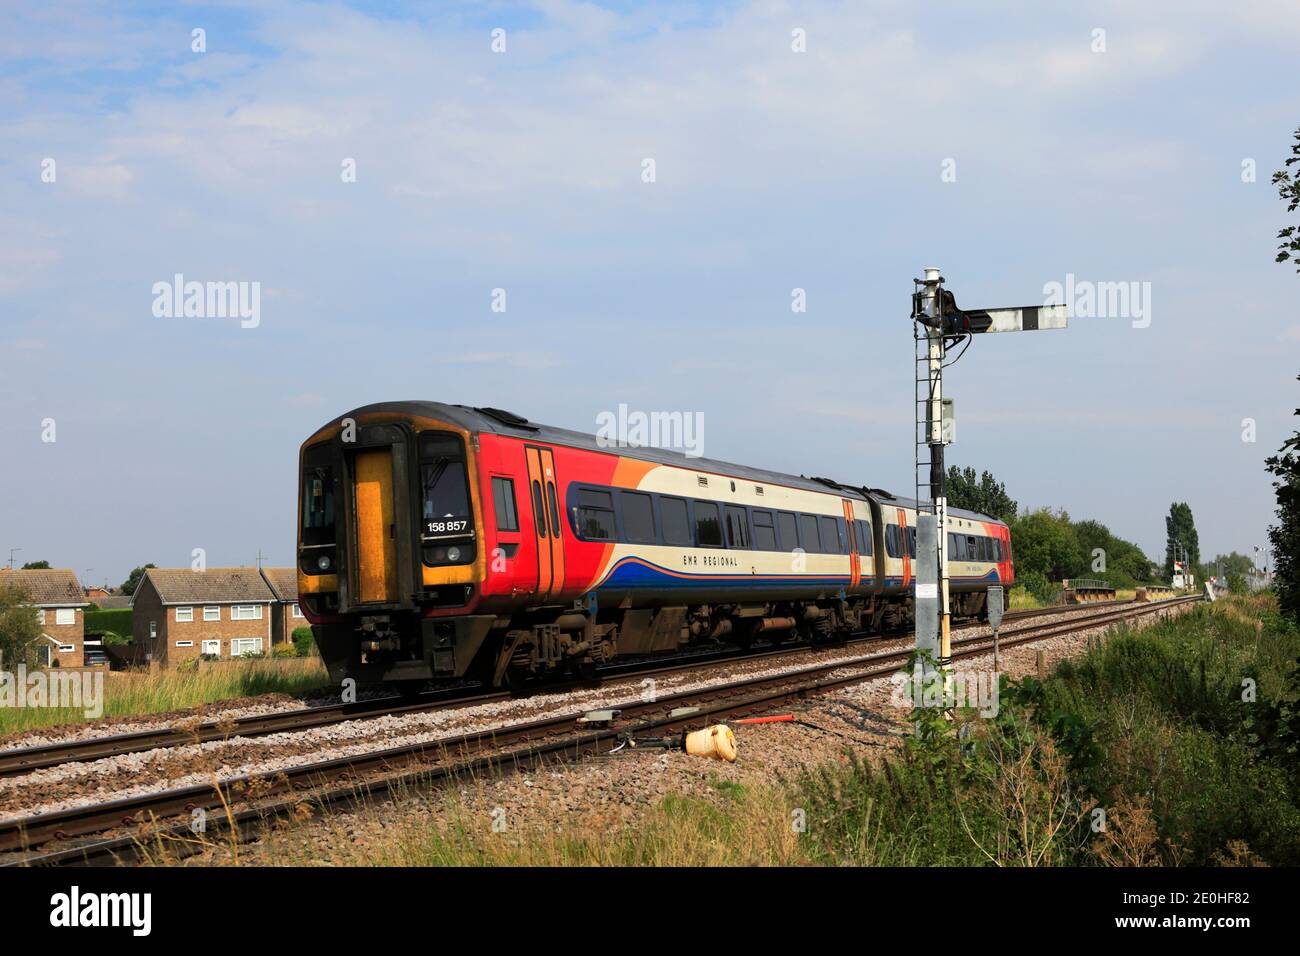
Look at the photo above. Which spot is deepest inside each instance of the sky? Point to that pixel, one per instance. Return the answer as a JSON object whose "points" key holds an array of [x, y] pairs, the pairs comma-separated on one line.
{"points": [[834, 148]]}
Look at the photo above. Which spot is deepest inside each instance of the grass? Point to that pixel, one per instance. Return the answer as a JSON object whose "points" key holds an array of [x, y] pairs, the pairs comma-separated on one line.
{"points": [[138, 692]]}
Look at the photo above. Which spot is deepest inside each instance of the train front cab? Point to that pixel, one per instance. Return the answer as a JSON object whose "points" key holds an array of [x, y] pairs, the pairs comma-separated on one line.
{"points": [[389, 557]]}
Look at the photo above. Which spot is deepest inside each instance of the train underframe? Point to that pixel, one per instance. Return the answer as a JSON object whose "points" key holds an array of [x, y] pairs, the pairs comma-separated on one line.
{"points": [[537, 644]]}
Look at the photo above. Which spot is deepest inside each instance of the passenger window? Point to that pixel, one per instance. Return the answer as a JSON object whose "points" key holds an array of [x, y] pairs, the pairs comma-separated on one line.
{"points": [[737, 528], [789, 530], [677, 527], [503, 498], [539, 510], [865, 543], [555, 511], [764, 532], [638, 517], [708, 529], [911, 542], [830, 529], [808, 534], [595, 515]]}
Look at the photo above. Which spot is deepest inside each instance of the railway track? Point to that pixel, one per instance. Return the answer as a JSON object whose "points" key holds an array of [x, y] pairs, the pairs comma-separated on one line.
{"points": [[346, 780], [18, 761]]}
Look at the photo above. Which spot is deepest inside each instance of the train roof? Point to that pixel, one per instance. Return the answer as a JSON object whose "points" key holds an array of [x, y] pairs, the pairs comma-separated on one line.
{"points": [[500, 422]]}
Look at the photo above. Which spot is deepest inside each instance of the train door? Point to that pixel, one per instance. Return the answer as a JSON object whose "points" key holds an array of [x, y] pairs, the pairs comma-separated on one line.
{"points": [[544, 493], [904, 543], [855, 561], [375, 529]]}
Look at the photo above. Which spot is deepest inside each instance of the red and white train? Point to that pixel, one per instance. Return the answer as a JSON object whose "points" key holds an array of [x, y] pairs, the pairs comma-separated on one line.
{"points": [[440, 541]]}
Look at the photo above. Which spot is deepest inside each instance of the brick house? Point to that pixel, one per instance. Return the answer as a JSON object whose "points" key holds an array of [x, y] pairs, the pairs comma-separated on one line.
{"points": [[180, 614], [60, 607], [287, 616]]}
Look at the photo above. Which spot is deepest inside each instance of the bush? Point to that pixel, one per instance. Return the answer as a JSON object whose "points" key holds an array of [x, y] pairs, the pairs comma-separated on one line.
{"points": [[284, 650], [303, 642], [115, 619], [1037, 584]]}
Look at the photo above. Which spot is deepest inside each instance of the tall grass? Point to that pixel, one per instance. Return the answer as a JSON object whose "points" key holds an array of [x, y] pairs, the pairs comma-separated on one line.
{"points": [[137, 693], [1150, 749]]}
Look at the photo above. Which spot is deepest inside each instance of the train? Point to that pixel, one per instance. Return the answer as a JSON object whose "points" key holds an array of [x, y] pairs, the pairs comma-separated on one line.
{"points": [[443, 543]]}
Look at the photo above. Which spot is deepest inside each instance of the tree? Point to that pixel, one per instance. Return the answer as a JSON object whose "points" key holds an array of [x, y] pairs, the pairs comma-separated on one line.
{"points": [[1180, 529], [133, 579], [19, 628], [1285, 535], [1044, 542], [988, 495], [1288, 190], [36, 566]]}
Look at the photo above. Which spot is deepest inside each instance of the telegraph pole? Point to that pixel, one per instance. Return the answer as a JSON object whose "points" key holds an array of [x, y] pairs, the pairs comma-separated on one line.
{"points": [[11, 557], [940, 324]]}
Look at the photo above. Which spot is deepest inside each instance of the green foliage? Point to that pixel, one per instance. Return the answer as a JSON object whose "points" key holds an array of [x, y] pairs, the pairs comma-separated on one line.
{"points": [[1180, 528], [1044, 541], [1036, 583], [133, 579], [1285, 535], [1288, 190], [19, 628], [36, 566], [1151, 727], [303, 642], [114, 639], [988, 495], [115, 619]]}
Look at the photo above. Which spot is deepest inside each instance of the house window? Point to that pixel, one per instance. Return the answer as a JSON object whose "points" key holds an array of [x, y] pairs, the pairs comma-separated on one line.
{"points": [[153, 630], [184, 615], [297, 611], [211, 648], [65, 615], [40, 615], [67, 648], [212, 613], [246, 612], [240, 646], [184, 643]]}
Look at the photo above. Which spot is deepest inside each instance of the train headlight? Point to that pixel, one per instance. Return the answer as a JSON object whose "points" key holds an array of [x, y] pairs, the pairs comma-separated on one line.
{"points": [[324, 562], [453, 553]]}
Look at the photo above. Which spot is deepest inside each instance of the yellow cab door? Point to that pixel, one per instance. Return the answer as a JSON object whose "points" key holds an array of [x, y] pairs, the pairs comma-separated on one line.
{"points": [[375, 533]]}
